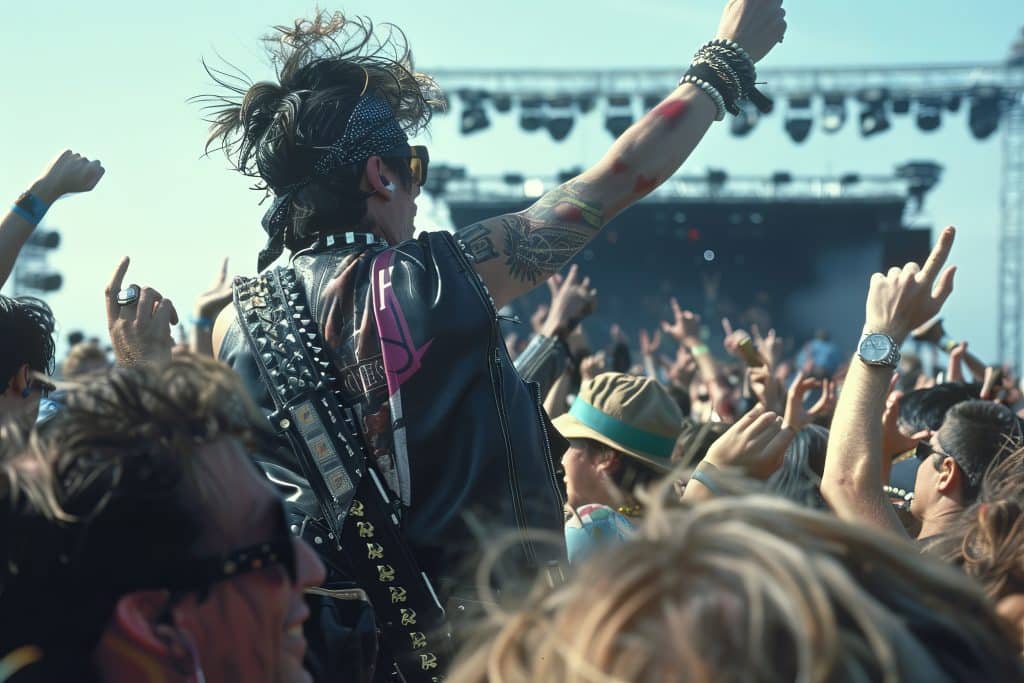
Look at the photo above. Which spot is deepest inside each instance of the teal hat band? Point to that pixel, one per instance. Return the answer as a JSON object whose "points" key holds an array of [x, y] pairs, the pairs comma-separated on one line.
{"points": [[652, 445]]}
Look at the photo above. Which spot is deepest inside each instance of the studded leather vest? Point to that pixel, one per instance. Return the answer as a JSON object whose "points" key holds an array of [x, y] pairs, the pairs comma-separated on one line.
{"points": [[462, 440]]}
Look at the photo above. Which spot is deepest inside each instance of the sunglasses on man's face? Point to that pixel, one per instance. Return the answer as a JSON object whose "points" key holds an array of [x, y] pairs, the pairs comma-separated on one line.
{"points": [[924, 450], [277, 550], [419, 160]]}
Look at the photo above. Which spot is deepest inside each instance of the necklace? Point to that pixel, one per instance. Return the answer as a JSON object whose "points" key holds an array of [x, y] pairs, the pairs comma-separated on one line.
{"points": [[630, 510]]}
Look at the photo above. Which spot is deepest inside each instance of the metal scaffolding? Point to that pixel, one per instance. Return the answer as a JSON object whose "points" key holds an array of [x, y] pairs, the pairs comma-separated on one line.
{"points": [[1011, 237], [942, 85]]}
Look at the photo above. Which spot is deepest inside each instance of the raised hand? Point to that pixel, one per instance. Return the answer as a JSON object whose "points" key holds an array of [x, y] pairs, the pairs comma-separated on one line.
{"points": [[798, 415], [649, 343], [210, 303], [592, 366], [908, 297], [757, 25], [572, 300], [68, 173], [140, 331], [955, 367], [756, 444], [767, 388], [685, 327]]}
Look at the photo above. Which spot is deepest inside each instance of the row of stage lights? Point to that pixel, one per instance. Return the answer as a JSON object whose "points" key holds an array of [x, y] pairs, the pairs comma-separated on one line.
{"points": [[558, 113]]}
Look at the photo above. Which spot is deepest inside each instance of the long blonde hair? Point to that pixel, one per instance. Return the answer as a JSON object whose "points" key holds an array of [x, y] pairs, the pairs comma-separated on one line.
{"points": [[747, 588]]}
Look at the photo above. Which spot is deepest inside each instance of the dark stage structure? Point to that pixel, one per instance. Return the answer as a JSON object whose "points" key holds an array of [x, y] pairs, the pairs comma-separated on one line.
{"points": [[788, 256]]}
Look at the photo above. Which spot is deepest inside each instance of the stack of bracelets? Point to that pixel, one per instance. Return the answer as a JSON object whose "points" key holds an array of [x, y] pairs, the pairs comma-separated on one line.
{"points": [[725, 71]]}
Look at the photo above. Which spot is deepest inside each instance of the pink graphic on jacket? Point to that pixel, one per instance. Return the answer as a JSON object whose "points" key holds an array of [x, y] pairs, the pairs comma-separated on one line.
{"points": [[402, 359]]}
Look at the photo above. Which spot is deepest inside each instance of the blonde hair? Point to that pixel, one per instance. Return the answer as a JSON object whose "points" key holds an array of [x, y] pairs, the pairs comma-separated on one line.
{"points": [[82, 359], [987, 540], [746, 588]]}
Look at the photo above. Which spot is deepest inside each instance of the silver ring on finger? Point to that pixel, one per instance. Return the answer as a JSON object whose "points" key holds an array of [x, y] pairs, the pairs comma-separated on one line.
{"points": [[128, 296]]}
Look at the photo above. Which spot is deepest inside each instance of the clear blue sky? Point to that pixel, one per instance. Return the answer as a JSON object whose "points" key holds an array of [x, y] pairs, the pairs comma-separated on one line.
{"points": [[111, 79]]}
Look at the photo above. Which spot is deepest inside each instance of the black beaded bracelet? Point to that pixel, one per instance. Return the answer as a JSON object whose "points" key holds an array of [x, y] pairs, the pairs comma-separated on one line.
{"points": [[728, 68]]}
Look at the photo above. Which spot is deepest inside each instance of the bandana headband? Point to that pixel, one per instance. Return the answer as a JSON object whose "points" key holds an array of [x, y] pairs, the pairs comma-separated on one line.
{"points": [[371, 130]]}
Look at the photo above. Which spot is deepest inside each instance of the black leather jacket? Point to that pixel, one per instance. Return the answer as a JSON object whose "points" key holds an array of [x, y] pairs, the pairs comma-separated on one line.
{"points": [[478, 446]]}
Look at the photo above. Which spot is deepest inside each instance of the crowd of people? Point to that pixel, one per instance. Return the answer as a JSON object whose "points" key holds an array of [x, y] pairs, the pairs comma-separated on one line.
{"points": [[350, 470]]}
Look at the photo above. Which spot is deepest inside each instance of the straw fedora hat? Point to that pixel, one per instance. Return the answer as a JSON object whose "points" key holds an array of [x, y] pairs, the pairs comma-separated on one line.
{"points": [[633, 415]]}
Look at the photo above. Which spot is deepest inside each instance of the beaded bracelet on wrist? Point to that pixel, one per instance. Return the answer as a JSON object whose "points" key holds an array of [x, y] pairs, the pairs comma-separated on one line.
{"points": [[710, 91]]}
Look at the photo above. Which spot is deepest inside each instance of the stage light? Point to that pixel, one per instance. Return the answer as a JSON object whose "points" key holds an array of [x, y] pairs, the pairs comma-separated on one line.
{"points": [[515, 179], [709, 255], [474, 118], [834, 114], [929, 113], [986, 108], [848, 180], [585, 102], [798, 118], [44, 239], [534, 187], [619, 115], [745, 121], [921, 177], [531, 113], [873, 119], [901, 103], [780, 178], [953, 102], [46, 281], [502, 102], [559, 117], [716, 179]]}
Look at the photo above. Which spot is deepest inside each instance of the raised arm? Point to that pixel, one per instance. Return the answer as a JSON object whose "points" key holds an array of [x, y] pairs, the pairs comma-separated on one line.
{"points": [[515, 252], [896, 304], [68, 173]]}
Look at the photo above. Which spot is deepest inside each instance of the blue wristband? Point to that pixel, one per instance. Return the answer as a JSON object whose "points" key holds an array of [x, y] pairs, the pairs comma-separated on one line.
{"points": [[704, 479], [30, 207]]}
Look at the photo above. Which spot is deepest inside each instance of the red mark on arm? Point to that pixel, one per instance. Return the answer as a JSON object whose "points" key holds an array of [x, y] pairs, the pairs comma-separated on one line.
{"points": [[568, 212], [670, 111], [644, 184], [619, 167]]}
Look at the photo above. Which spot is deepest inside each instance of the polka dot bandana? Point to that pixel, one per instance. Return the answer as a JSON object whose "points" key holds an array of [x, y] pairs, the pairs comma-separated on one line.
{"points": [[372, 129]]}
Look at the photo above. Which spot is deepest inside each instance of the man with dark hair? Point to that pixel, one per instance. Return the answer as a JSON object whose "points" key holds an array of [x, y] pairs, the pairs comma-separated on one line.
{"points": [[974, 435], [139, 542], [913, 418], [406, 330], [26, 353]]}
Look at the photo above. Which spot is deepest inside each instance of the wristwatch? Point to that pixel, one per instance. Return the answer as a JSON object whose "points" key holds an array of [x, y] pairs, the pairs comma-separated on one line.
{"points": [[879, 350]]}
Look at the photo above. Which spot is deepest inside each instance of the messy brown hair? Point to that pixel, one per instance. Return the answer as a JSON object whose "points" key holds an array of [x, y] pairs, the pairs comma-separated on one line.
{"points": [[110, 493], [987, 540], [275, 131]]}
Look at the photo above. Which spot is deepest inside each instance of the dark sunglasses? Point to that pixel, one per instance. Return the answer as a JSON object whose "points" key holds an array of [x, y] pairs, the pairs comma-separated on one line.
{"points": [[419, 160], [42, 386], [279, 550], [924, 450]]}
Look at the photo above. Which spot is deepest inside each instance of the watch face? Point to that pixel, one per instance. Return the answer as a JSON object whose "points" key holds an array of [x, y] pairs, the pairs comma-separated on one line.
{"points": [[875, 348]]}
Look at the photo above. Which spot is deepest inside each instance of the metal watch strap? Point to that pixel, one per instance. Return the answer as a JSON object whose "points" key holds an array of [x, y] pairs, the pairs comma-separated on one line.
{"points": [[324, 433]]}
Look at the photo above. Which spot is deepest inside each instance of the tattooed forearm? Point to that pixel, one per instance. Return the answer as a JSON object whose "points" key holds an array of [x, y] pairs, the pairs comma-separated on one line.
{"points": [[569, 204], [536, 252], [477, 240]]}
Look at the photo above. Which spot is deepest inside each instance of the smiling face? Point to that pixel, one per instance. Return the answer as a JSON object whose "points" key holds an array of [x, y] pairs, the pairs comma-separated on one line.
{"points": [[249, 628]]}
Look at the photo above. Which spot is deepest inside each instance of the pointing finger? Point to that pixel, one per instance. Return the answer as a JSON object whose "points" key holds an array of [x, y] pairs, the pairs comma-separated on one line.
{"points": [[939, 254]]}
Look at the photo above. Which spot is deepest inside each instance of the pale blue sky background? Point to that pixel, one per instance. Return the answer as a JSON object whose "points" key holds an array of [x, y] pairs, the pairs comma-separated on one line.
{"points": [[110, 80]]}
